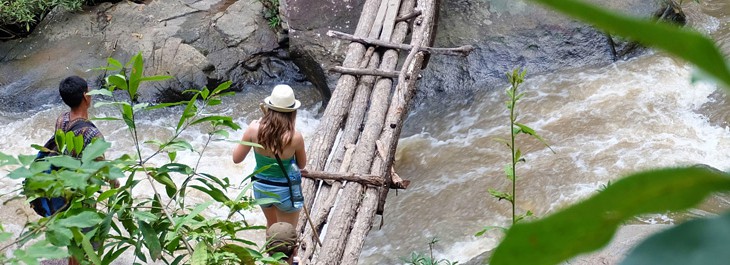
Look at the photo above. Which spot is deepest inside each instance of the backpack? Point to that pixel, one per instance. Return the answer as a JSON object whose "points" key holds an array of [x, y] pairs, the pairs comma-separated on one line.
{"points": [[47, 206]]}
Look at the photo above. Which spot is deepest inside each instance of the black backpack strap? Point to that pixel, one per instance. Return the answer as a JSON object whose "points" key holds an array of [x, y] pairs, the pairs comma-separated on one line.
{"points": [[79, 124], [286, 175]]}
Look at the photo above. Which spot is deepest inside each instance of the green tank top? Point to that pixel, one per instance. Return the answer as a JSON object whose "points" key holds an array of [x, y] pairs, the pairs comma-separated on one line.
{"points": [[274, 171]]}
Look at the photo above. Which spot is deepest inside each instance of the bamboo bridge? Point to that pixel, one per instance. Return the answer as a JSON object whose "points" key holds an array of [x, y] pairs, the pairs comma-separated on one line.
{"points": [[351, 156]]}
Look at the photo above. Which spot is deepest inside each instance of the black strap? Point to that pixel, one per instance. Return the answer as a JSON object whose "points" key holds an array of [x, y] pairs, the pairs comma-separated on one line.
{"points": [[269, 182], [288, 180], [79, 124]]}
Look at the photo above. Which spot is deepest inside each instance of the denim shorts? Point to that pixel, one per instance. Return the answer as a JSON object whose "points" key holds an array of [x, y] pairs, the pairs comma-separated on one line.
{"points": [[282, 194]]}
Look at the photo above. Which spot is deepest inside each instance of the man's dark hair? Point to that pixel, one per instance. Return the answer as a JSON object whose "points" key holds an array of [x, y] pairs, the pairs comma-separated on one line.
{"points": [[72, 90]]}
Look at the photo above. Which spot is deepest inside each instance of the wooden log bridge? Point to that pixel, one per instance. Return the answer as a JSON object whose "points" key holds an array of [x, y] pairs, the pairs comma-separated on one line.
{"points": [[347, 183]]}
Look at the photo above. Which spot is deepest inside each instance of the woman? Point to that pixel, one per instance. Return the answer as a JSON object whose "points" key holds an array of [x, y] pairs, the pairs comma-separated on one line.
{"points": [[276, 133]]}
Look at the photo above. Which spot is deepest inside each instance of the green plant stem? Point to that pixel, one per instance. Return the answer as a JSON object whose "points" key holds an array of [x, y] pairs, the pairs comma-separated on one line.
{"points": [[514, 155]]}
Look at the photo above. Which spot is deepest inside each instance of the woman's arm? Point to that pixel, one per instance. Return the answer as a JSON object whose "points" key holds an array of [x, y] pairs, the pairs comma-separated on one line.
{"points": [[240, 152], [299, 152]]}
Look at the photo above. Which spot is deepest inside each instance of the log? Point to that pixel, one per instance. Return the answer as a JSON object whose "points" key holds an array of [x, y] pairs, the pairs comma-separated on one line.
{"points": [[378, 23], [389, 21], [459, 51], [401, 101], [408, 16], [358, 71], [343, 218], [334, 114], [372, 180]]}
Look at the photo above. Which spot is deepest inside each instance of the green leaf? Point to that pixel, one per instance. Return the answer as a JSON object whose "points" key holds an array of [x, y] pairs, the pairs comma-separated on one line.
{"points": [[78, 144], [86, 245], [26, 159], [118, 81], [102, 92], [106, 195], [59, 235], [222, 133], [154, 142], [701, 241], [204, 93], [525, 129], [216, 194], [165, 105], [114, 64], [214, 102], [685, 43], [200, 255], [42, 249], [164, 179], [128, 116], [246, 143], [172, 155], [197, 210], [112, 256], [67, 162], [145, 216], [95, 150], [590, 224], [140, 106], [135, 77], [243, 254], [151, 241], [509, 172], [82, 220], [180, 145], [7, 160], [110, 103], [223, 86], [211, 119]]}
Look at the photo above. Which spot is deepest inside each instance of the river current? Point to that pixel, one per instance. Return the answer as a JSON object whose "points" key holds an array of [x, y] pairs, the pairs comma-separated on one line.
{"points": [[603, 123]]}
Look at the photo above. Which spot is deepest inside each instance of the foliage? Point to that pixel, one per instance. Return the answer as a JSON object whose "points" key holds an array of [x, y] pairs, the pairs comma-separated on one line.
{"points": [[420, 259], [151, 227], [30, 11], [590, 224], [515, 79], [702, 241], [271, 13]]}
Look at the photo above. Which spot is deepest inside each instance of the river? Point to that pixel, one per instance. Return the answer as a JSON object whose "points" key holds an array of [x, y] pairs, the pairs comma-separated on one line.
{"points": [[603, 123]]}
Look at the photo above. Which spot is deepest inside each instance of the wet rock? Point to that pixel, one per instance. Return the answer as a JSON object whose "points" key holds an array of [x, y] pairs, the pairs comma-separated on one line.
{"points": [[199, 42], [312, 50]]}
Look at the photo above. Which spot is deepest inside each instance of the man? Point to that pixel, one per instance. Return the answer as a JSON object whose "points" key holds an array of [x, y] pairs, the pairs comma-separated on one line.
{"points": [[73, 91]]}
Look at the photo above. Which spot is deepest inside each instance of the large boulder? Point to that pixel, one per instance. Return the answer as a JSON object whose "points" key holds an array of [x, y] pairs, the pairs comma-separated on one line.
{"points": [[506, 34], [307, 22], [200, 42]]}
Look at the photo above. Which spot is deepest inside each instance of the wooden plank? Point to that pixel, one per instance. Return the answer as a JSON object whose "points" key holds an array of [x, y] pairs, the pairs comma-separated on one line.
{"points": [[389, 23]]}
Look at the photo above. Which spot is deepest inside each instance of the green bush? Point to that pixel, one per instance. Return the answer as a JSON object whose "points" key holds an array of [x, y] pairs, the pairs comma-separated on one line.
{"points": [[153, 227], [28, 12]]}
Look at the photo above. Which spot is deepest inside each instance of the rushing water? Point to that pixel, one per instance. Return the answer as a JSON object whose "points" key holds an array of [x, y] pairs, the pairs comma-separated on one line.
{"points": [[603, 123]]}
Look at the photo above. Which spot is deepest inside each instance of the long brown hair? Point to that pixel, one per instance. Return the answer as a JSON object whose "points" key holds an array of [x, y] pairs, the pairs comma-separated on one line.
{"points": [[276, 130]]}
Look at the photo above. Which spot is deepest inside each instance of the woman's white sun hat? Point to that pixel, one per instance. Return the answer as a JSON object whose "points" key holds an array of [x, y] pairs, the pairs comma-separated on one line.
{"points": [[282, 99]]}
